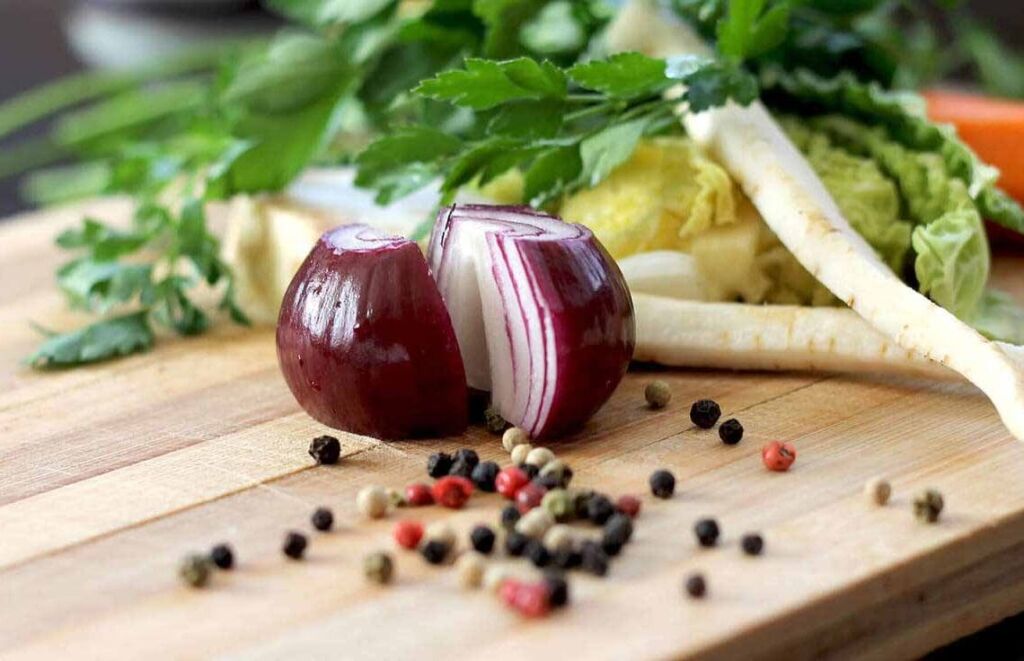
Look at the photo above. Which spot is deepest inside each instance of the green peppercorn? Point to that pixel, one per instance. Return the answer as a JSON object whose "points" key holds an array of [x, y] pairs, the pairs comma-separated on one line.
{"points": [[559, 504], [222, 556], [928, 506], [494, 422], [378, 567], [657, 394], [194, 570], [322, 519], [705, 413], [696, 586]]}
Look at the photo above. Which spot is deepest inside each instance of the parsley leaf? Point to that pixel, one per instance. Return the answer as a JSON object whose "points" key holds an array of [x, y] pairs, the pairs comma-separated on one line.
{"points": [[752, 28], [109, 338], [403, 162], [622, 76], [485, 84], [604, 151]]}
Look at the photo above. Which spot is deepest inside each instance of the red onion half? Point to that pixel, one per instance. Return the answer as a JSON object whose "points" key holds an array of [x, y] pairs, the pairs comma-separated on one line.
{"points": [[365, 342], [542, 313]]}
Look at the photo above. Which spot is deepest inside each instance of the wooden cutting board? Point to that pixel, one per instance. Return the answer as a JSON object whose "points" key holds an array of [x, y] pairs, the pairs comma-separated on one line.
{"points": [[109, 474]]}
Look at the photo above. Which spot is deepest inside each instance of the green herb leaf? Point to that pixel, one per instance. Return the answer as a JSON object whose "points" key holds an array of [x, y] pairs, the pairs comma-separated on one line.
{"points": [[404, 161], [551, 174], [752, 28], [109, 338], [503, 20], [98, 286], [485, 84], [604, 151], [622, 76], [321, 13], [528, 119], [716, 83]]}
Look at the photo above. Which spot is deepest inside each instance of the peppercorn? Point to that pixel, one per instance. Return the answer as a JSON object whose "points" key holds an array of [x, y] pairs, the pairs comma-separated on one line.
{"points": [[593, 559], [535, 523], [928, 506], [512, 437], [325, 450], [558, 588], [752, 544], [378, 567], [493, 421], [558, 537], [396, 498], [322, 519], [452, 491], [408, 533], [529, 599], [509, 481], [222, 556], [520, 453], [778, 456], [530, 471], [515, 543], [482, 538], [705, 413], [434, 551], [540, 457], [194, 570], [549, 482], [494, 576], [628, 505], [663, 484], [468, 455], [558, 504], [730, 431], [294, 545], [696, 586], [418, 495], [567, 558], [599, 509], [440, 531], [438, 464], [509, 516], [619, 527], [461, 468], [657, 394], [707, 532], [537, 553], [559, 470], [470, 569], [372, 501], [878, 490], [580, 498], [529, 496], [484, 474]]}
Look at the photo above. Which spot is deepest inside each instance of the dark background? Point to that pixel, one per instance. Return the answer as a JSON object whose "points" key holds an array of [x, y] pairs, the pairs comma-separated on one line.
{"points": [[35, 48]]}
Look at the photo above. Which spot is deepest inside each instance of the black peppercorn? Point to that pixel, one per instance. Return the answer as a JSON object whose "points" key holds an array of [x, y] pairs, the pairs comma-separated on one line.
{"points": [[494, 422], [484, 474], [515, 543], [696, 586], [482, 538], [731, 431], [461, 468], [537, 553], [509, 517], [663, 484], [705, 413], [593, 559], [579, 502], [529, 470], [467, 455], [567, 559], [325, 449], [707, 532], [294, 545], [619, 528], [222, 556], [438, 464], [549, 482], [558, 589], [599, 509], [752, 544], [434, 551], [322, 519], [610, 545]]}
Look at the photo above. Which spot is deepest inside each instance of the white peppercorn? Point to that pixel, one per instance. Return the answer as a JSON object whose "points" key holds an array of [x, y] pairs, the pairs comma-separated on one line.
{"points": [[470, 568], [559, 537], [535, 523], [514, 436], [439, 531], [494, 576], [396, 498], [539, 457], [520, 452], [373, 501], [878, 490]]}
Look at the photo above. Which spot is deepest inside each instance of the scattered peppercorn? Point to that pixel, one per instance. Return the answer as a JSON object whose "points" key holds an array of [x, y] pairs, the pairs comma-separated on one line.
{"points": [[731, 431], [558, 537], [535, 523], [294, 545], [619, 528], [628, 505], [558, 504], [322, 519], [482, 538], [610, 546], [540, 457], [378, 567], [530, 471], [559, 470], [440, 531], [705, 413], [752, 543], [408, 533], [222, 556], [593, 559], [515, 543], [467, 455], [529, 599], [599, 509], [509, 516], [434, 551], [484, 474], [878, 490], [657, 394], [529, 496], [778, 456], [519, 453], [494, 576], [461, 468], [567, 558], [396, 498], [696, 586], [438, 464], [549, 482], [663, 484], [509, 481], [707, 532], [514, 436], [372, 501], [493, 421], [194, 570], [928, 506], [325, 450], [537, 553], [558, 589], [418, 495], [470, 568], [452, 491], [580, 498]]}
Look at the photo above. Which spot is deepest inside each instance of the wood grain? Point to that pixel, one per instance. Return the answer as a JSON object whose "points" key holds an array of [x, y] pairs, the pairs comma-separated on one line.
{"points": [[109, 474]]}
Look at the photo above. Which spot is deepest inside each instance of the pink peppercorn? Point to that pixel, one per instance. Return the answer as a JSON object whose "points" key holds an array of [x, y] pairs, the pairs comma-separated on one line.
{"points": [[628, 505], [529, 599], [509, 481], [452, 491], [408, 533], [418, 495], [778, 456], [529, 497]]}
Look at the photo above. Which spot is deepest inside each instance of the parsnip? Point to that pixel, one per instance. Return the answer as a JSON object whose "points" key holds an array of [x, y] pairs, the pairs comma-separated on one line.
{"points": [[794, 203]]}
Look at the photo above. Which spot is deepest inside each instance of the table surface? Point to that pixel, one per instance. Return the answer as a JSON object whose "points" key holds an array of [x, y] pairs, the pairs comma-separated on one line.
{"points": [[110, 474]]}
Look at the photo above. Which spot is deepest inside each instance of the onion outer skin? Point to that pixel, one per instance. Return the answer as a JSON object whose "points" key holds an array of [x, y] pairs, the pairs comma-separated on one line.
{"points": [[365, 342]]}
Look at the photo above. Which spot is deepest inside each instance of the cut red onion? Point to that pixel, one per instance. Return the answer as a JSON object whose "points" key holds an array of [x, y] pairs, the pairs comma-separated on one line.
{"points": [[365, 342], [542, 313]]}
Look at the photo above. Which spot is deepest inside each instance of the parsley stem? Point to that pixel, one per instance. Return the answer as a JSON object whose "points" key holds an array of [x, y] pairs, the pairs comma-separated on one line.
{"points": [[586, 112], [584, 97]]}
